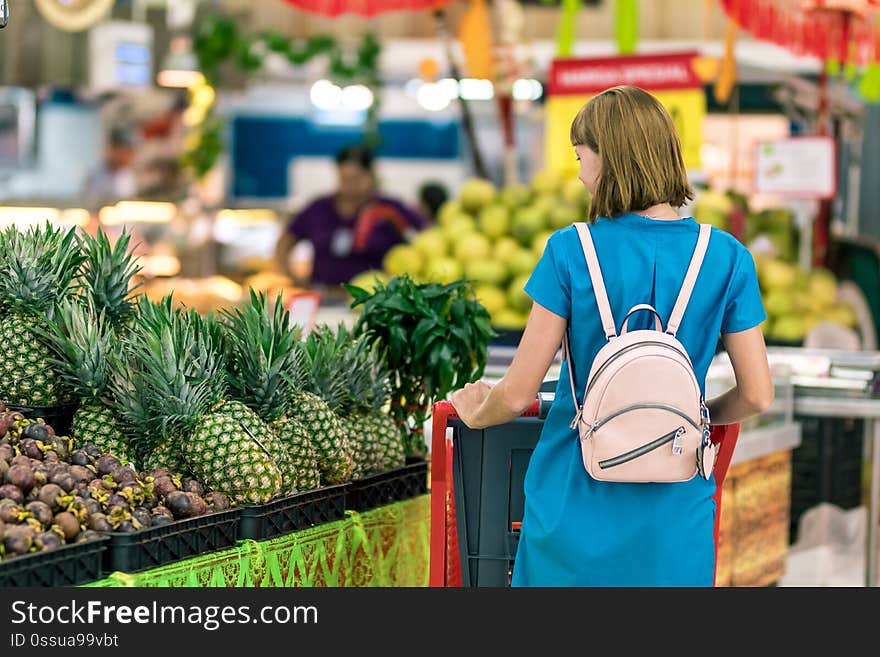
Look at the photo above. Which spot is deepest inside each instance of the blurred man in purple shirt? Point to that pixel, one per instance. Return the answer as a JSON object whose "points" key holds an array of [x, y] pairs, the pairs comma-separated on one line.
{"points": [[352, 229]]}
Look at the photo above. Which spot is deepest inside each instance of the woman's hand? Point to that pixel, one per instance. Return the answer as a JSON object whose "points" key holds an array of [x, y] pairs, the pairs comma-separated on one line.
{"points": [[468, 400]]}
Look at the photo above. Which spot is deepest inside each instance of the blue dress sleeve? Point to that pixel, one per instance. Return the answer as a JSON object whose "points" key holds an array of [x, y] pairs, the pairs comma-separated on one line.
{"points": [[744, 308], [550, 283]]}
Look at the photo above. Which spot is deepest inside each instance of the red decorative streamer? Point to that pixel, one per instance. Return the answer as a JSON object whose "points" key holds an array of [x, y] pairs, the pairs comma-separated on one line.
{"points": [[845, 31]]}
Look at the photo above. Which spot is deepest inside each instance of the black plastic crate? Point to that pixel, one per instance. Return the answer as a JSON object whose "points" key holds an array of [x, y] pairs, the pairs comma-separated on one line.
{"points": [[315, 507], [489, 469], [388, 487], [68, 565], [60, 418], [826, 466], [156, 546]]}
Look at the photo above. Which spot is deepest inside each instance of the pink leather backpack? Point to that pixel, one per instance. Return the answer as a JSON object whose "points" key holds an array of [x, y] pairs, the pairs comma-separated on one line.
{"points": [[643, 418]]}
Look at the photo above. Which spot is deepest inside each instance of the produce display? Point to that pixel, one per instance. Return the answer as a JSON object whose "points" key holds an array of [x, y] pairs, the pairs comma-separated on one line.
{"points": [[236, 401], [57, 492], [491, 237], [795, 300]]}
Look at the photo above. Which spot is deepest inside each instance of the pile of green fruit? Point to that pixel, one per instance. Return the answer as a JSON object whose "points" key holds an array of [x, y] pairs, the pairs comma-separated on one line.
{"points": [[492, 237], [55, 492], [796, 300]]}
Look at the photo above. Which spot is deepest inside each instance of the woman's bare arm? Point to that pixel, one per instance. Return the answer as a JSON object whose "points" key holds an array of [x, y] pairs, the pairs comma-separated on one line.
{"points": [[480, 405], [754, 390]]}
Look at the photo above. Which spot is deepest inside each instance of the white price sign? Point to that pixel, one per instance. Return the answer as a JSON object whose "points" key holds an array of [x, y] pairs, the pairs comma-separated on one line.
{"points": [[798, 166]]}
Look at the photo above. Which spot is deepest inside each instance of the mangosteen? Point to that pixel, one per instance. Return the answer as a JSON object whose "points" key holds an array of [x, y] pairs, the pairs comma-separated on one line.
{"points": [[41, 511], [127, 526], [6, 453], [52, 495], [11, 492], [163, 486], [48, 541], [51, 456], [99, 523], [198, 504], [92, 450], [68, 524], [4, 467], [142, 515], [10, 511], [37, 431], [62, 446], [87, 535], [123, 474], [182, 505], [218, 501], [21, 459], [8, 419], [31, 448], [81, 473], [93, 506], [155, 473], [107, 464], [65, 480], [21, 476], [18, 539], [115, 499], [80, 457], [161, 519], [193, 486]]}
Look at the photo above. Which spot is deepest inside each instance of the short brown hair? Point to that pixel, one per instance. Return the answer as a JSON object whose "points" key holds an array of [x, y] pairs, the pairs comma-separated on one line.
{"points": [[641, 156]]}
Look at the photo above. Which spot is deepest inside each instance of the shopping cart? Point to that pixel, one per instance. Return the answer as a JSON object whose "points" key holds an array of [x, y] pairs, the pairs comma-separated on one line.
{"points": [[477, 496]]}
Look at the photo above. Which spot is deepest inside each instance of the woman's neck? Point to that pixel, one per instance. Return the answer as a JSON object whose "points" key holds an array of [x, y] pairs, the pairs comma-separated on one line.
{"points": [[662, 211]]}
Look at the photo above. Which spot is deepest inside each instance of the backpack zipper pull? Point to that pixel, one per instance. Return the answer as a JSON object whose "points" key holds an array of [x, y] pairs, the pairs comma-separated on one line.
{"points": [[577, 418], [676, 441]]}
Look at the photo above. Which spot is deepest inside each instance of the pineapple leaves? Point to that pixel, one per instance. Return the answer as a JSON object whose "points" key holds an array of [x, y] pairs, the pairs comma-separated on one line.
{"points": [[108, 273], [38, 268], [265, 360]]}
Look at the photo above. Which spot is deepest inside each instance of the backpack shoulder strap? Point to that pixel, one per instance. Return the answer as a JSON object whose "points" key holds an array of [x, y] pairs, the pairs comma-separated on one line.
{"points": [[598, 282], [690, 280]]}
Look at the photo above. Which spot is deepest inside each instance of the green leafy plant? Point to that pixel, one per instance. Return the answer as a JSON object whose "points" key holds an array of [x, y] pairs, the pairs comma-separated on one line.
{"points": [[434, 338]]}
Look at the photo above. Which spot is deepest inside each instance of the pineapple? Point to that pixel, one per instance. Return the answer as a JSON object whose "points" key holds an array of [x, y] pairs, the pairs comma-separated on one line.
{"points": [[37, 271], [383, 431], [224, 443], [264, 365], [325, 390], [344, 376], [85, 346]]}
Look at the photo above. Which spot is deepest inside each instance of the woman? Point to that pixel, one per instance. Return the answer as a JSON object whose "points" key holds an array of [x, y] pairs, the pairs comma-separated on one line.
{"points": [[578, 531], [351, 230]]}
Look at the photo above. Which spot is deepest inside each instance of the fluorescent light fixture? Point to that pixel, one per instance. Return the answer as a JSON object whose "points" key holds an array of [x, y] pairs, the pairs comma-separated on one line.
{"points": [[527, 90], [474, 89], [74, 217], [449, 87], [23, 216], [325, 95], [133, 212], [357, 97], [251, 216], [432, 97]]}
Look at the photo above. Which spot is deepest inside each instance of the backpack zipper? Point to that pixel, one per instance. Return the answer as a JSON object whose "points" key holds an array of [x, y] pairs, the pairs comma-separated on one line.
{"points": [[630, 348], [635, 407], [674, 436]]}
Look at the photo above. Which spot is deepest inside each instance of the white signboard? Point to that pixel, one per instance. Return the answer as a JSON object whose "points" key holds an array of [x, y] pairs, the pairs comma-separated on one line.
{"points": [[798, 166]]}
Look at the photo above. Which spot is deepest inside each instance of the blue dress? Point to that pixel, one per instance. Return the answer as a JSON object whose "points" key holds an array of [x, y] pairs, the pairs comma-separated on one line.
{"points": [[581, 532]]}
